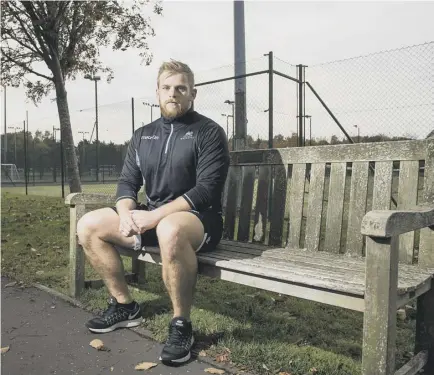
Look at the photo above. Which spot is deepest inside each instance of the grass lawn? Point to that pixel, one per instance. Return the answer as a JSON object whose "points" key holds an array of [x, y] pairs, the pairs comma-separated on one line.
{"points": [[258, 331], [56, 190]]}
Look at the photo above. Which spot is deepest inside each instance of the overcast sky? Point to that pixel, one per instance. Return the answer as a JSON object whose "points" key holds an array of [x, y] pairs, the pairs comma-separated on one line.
{"points": [[201, 34]]}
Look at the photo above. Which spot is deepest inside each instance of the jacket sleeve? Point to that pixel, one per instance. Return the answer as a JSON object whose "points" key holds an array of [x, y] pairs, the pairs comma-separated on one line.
{"points": [[212, 169], [131, 179]]}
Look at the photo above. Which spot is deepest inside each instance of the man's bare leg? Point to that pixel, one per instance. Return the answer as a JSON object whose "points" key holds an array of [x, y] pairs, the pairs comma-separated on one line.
{"points": [[97, 232], [179, 235]]}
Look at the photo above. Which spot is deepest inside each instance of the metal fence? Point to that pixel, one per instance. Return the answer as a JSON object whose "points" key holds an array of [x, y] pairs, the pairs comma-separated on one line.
{"points": [[383, 96]]}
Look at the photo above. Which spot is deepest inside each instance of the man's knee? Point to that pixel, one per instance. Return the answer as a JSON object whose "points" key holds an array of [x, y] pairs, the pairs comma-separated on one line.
{"points": [[90, 225], [170, 237]]}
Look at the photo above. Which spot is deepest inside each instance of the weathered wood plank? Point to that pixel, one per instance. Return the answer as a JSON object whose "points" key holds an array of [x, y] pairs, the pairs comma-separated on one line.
{"points": [[407, 197], [410, 277], [426, 244], [89, 198], [358, 193], [387, 223], [278, 206], [379, 323], [246, 203], [382, 185], [415, 364], [296, 200], [425, 327], [261, 203], [314, 209], [231, 208], [361, 152], [335, 208], [76, 254]]}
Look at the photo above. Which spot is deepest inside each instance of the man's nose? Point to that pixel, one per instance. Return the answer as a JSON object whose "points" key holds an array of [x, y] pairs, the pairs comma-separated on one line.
{"points": [[172, 92]]}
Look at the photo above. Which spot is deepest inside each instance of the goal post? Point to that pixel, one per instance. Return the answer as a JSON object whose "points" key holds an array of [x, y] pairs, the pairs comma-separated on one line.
{"points": [[9, 172]]}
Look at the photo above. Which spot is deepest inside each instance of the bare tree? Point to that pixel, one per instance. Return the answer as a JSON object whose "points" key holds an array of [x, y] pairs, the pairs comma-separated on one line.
{"points": [[56, 41]]}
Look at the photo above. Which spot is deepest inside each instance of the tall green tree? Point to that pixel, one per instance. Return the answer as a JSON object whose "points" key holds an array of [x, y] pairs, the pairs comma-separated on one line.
{"points": [[46, 43]]}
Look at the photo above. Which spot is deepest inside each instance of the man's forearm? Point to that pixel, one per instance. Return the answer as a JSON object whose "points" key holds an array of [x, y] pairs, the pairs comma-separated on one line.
{"points": [[178, 205], [125, 205]]}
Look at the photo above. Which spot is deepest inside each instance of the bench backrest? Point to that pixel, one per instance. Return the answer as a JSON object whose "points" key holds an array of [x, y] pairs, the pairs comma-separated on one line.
{"points": [[316, 197]]}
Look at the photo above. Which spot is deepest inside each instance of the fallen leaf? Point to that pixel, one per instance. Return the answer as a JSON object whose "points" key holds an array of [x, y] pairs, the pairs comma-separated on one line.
{"points": [[223, 357], [112, 368], [13, 283], [32, 249], [97, 344], [265, 367], [15, 243], [313, 370], [39, 272], [5, 349], [202, 353], [145, 366], [212, 370]]}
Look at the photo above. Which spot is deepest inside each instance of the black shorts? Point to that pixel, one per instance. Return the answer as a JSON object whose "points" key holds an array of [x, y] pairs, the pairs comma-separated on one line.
{"points": [[212, 224]]}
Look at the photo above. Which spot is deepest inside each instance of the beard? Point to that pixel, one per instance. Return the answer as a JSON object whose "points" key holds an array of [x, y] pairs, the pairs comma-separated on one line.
{"points": [[172, 111]]}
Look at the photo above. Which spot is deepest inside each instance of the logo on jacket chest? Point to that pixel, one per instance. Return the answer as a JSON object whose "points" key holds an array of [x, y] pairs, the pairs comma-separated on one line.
{"points": [[188, 135]]}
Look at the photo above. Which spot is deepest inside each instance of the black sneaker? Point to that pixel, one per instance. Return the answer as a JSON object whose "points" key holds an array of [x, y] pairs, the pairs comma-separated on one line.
{"points": [[178, 344], [116, 316]]}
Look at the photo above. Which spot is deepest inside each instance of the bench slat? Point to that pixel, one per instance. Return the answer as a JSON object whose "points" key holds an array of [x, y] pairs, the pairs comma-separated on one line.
{"points": [[426, 245], [261, 203], [357, 207], [230, 213], [330, 277], [296, 200], [246, 203], [320, 259], [314, 209], [382, 185], [278, 205], [335, 207], [407, 197]]}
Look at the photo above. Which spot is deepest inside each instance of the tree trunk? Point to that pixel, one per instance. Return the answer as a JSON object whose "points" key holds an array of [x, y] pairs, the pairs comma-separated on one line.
{"points": [[67, 139]]}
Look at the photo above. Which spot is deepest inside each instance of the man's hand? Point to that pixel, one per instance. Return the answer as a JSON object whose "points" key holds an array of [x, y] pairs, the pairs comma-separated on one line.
{"points": [[127, 227], [145, 220]]}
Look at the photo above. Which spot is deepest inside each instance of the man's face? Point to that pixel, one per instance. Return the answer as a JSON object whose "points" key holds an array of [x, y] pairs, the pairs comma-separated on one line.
{"points": [[174, 94]]}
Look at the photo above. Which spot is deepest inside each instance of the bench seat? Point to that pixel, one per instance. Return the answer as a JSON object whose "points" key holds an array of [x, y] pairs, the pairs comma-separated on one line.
{"points": [[333, 279]]}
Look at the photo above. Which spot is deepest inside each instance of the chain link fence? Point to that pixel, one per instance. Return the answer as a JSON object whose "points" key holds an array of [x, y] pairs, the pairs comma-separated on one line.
{"points": [[383, 96]]}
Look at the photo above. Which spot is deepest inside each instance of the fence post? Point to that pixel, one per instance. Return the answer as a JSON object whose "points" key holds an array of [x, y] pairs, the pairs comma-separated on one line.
{"points": [[270, 99], [25, 154], [132, 114], [300, 104]]}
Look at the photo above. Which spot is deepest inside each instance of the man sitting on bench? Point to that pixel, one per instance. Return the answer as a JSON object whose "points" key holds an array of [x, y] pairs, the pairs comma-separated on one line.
{"points": [[183, 159]]}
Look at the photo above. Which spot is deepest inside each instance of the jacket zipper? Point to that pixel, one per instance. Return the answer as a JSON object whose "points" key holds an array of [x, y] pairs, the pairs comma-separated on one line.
{"points": [[168, 139]]}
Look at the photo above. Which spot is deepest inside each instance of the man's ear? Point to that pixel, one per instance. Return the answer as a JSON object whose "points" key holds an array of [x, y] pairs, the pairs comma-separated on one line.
{"points": [[194, 93]]}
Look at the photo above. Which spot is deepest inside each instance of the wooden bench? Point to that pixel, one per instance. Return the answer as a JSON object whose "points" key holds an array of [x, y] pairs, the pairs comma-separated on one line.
{"points": [[346, 225]]}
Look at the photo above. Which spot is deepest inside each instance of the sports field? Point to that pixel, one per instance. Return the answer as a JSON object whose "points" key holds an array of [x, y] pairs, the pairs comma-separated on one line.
{"points": [[56, 190]]}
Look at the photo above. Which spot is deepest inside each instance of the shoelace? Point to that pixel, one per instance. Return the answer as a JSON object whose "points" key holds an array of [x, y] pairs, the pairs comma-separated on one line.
{"points": [[177, 337], [110, 310]]}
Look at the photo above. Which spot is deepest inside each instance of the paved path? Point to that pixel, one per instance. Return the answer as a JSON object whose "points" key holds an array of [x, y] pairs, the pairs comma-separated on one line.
{"points": [[47, 336]]}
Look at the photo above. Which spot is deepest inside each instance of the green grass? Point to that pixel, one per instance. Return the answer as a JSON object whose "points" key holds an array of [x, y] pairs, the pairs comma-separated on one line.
{"points": [[56, 190], [255, 328]]}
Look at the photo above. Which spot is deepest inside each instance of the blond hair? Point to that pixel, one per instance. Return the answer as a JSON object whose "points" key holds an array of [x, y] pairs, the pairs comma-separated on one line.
{"points": [[176, 67]]}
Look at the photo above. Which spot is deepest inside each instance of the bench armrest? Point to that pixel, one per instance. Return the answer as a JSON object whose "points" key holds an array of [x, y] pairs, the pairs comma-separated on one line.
{"points": [[89, 198], [389, 223]]}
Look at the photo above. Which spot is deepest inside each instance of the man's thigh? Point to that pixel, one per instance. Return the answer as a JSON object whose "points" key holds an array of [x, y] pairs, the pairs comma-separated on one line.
{"points": [[104, 222]]}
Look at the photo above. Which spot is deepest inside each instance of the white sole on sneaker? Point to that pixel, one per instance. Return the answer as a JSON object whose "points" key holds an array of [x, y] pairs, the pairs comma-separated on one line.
{"points": [[124, 324], [183, 359]]}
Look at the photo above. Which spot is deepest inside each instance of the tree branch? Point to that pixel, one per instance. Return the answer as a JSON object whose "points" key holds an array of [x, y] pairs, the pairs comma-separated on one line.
{"points": [[21, 43], [23, 28], [38, 32], [26, 68]]}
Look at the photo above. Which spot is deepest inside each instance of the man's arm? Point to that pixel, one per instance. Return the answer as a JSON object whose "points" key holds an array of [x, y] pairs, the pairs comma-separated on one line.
{"points": [[129, 184], [212, 169], [130, 180]]}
